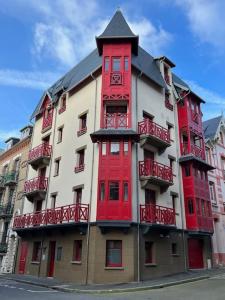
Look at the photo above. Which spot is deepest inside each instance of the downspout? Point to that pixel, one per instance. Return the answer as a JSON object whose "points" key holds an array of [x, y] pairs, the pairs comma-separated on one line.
{"points": [[47, 193], [181, 193], [137, 185], [91, 190]]}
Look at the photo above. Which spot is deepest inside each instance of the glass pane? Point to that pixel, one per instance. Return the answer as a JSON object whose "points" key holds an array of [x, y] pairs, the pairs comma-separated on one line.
{"points": [[125, 148], [115, 148], [102, 191], [116, 64], [106, 64], [114, 191], [126, 66], [103, 148], [114, 256], [125, 191]]}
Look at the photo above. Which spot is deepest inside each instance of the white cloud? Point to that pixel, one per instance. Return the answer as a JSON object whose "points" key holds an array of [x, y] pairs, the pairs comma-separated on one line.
{"points": [[206, 20], [35, 80]]}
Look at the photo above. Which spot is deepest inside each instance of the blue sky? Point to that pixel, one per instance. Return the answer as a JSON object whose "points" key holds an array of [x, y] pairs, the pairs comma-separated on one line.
{"points": [[41, 40]]}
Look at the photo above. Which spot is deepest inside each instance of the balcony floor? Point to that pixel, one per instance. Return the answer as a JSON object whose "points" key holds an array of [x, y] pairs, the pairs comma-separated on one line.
{"points": [[154, 141], [35, 195], [39, 162]]}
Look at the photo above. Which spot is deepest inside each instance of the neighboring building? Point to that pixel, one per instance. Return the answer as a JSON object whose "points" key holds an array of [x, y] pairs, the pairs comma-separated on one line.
{"points": [[214, 130], [104, 191], [13, 171]]}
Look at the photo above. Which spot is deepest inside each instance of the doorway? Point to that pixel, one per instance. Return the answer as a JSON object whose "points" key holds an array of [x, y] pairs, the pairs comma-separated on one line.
{"points": [[195, 253], [51, 258]]}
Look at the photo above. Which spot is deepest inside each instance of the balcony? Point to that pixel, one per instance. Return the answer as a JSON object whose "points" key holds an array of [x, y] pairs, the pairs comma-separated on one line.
{"points": [[47, 120], [74, 213], [40, 155], [155, 214], [11, 178], [152, 172], [116, 120], [2, 182], [153, 134], [193, 149], [205, 224], [3, 248], [116, 78], [36, 188], [6, 210]]}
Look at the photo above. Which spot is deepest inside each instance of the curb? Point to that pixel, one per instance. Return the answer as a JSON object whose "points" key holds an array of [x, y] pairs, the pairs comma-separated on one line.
{"points": [[111, 291]]}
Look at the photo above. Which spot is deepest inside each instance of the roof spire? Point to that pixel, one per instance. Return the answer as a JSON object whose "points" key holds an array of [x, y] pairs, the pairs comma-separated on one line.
{"points": [[116, 31]]}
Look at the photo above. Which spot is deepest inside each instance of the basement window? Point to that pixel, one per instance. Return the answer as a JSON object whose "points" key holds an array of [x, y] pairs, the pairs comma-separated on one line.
{"points": [[77, 251]]}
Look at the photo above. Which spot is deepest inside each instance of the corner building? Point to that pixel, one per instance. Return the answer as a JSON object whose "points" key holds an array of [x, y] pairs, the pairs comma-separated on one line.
{"points": [[104, 195]]}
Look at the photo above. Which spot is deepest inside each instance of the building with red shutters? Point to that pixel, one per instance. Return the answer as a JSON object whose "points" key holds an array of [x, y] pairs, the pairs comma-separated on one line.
{"points": [[117, 186]]}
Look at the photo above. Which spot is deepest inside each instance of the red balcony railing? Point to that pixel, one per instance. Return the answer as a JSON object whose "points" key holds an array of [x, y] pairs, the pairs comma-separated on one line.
{"points": [[150, 167], [43, 150], [116, 78], [36, 184], [157, 214], [195, 116], [47, 120], [59, 215], [116, 120], [205, 223], [147, 127], [197, 151]]}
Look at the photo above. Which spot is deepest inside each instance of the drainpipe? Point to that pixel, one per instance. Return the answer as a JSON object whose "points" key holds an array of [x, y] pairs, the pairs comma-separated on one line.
{"points": [[137, 185], [47, 193], [181, 195], [91, 190]]}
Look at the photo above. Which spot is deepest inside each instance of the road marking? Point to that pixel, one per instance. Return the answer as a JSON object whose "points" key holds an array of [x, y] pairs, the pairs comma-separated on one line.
{"points": [[32, 291]]}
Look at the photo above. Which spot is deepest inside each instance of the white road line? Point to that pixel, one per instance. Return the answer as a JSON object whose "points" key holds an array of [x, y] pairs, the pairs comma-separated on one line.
{"points": [[32, 291]]}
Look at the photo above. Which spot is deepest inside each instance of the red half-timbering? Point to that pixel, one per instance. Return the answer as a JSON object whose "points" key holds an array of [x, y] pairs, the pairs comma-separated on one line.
{"points": [[114, 181], [194, 168]]}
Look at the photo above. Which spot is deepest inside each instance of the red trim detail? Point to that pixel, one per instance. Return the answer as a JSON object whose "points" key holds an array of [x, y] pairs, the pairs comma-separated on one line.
{"points": [[150, 167], [157, 214], [36, 184], [43, 150], [148, 127]]}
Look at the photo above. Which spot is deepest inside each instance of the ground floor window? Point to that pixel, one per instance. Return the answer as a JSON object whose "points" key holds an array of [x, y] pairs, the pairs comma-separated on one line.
{"points": [[77, 250], [149, 252], [174, 248], [113, 253], [36, 256], [59, 253]]}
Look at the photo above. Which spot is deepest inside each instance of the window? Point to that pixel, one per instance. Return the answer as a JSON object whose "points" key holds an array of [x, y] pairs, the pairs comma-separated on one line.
{"points": [[116, 64], [38, 206], [125, 148], [59, 253], [174, 202], [147, 116], [80, 161], [106, 64], [172, 160], [212, 191], [125, 191], [82, 125], [53, 200], [198, 206], [62, 104], [150, 197], [77, 250], [10, 195], [148, 252], [170, 129], [16, 165], [36, 255], [187, 171], [190, 206], [114, 148], [57, 161], [114, 191], [77, 195], [60, 134], [126, 64], [174, 248], [203, 207], [102, 191], [103, 148], [221, 137], [113, 253]]}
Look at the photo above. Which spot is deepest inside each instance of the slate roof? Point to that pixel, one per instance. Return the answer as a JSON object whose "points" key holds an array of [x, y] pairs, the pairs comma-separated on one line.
{"points": [[114, 133], [210, 127], [117, 29]]}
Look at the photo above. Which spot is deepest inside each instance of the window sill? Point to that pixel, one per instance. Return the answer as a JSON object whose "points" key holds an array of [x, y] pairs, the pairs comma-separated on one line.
{"points": [[151, 265], [59, 142], [114, 268], [75, 262], [55, 175], [35, 262]]}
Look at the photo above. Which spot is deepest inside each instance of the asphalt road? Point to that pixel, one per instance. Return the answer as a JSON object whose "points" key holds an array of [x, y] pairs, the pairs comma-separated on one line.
{"points": [[209, 289]]}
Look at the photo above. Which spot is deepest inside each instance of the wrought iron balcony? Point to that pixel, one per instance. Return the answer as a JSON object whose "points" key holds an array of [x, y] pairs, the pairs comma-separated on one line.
{"points": [[11, 178], [156, 214], [6, 210], [116, 120], [60, 215], [193, 149], [36, 188], [153, 172], [40, 155], [153, 134], [3, 248]]}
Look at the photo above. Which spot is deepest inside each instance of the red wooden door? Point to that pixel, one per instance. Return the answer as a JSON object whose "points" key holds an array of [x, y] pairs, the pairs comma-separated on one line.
{"points": [[51, 258], [195, 253], [23, 257]]}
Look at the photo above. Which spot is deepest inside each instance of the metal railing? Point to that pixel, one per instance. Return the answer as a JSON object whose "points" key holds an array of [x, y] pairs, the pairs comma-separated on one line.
{"points": [[148, 127], [150, 213], [36, 184], [150, 167]]}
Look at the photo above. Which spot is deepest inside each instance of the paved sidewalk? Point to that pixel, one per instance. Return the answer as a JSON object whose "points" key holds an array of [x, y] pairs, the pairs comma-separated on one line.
{"points": [[161, 282]]}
